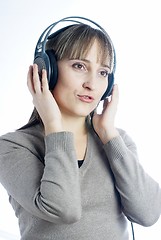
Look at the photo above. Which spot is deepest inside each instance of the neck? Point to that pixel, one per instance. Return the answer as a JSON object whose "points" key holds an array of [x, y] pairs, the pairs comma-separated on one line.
{"points": [[77, 125], [74, 124]]}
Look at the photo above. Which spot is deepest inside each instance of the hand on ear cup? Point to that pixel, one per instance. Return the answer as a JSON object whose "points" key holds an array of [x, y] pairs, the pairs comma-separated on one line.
{"points": [[41, 65], [104, 122]]}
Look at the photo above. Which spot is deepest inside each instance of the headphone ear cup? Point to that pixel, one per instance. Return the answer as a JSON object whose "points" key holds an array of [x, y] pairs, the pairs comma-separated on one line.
{"points": [[110, 86], [53, 69]]}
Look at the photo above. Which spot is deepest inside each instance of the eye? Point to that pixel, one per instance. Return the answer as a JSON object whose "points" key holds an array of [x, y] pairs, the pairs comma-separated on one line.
{"points": [[78, 65], [104, 73]]}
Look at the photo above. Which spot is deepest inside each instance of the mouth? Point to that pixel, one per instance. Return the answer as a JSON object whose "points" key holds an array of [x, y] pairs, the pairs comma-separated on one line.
{"points": [[86, 98]]}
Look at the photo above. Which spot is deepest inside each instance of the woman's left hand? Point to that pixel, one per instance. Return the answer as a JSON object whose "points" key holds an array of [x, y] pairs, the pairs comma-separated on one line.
{"points": [[104, 123]]}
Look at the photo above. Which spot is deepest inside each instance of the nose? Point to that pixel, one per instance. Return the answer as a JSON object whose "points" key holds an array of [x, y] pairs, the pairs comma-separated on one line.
{"points": [[90, 83]]}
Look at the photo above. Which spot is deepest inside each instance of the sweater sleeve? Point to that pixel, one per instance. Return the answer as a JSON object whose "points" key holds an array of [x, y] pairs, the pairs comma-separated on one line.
{"points": [[51, 191], [140, 194]]}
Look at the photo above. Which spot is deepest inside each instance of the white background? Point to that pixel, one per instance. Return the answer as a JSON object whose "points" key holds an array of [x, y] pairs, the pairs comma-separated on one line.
{"points": [[134, 27]]}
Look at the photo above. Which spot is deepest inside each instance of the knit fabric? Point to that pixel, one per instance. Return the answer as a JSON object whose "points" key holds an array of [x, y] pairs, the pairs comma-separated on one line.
{"points": [[54, 199]]}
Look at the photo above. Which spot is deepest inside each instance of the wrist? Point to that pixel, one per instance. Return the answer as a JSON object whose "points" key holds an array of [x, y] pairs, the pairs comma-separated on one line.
{"points": [[106, 135], [52, 128]]}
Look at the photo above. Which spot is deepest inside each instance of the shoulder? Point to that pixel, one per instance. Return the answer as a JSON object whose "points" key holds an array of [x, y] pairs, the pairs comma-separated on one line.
{"points": [[31, 139]]}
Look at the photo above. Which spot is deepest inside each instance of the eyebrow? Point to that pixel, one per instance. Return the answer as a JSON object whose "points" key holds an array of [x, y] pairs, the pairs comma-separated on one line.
{"points": [[88, 61]]}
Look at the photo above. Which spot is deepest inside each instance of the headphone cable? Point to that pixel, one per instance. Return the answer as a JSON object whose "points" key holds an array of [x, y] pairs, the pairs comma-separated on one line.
{"points": [[132, 228]]}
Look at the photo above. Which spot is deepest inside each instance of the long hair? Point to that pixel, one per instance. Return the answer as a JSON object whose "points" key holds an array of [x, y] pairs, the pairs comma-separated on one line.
{"points": [[74, 43]]}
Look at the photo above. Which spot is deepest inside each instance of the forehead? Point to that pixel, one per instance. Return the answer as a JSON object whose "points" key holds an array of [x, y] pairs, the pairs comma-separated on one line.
{"points": [[97, 51], [97, 54]]}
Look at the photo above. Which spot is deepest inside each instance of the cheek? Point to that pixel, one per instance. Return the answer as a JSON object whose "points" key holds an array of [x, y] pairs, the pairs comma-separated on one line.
{"points": [[61, 91], [103, 87]]}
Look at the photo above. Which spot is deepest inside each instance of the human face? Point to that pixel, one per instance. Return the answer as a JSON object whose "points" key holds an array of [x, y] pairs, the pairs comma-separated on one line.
{"points": [[81, 83]]}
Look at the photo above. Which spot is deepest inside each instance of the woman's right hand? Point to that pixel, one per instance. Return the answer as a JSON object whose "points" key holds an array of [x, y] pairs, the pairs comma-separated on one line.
{"points": [[44, 101]]}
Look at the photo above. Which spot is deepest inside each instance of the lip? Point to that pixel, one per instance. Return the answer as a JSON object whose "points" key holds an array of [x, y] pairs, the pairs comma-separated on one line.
{"points": [[85, 98]]}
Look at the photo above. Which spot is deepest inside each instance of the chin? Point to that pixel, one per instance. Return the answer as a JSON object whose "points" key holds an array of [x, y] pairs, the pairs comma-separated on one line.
{"points": [[82, 114], [78, 111]]}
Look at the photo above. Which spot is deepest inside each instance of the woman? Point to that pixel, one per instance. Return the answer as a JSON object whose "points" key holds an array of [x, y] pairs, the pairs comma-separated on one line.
{"points": [[70, 173]]}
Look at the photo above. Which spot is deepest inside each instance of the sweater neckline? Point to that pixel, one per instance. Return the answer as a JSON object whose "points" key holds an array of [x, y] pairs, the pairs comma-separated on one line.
{"points": [[88, 154]]}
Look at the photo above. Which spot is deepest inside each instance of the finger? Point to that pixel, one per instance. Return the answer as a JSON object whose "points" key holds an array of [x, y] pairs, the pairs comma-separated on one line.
{"points": [[105, 103], [115, 92], [94, 112], [30, 80], [44, 81], [36, 79]]}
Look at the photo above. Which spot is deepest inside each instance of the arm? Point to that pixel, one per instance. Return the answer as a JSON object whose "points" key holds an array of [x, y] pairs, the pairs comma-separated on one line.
{"points": [[140, 194], [51, 192]]}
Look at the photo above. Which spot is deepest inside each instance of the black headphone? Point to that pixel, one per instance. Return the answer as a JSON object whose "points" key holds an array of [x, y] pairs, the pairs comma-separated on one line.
{"points": [[46, 59]]}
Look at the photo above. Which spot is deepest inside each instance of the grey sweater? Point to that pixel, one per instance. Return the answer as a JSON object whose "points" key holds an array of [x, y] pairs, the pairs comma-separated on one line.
{"points": [[54, 199]]}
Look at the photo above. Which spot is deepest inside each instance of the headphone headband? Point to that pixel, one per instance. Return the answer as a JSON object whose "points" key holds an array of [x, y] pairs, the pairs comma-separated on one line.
{"points": [[40, 46]]}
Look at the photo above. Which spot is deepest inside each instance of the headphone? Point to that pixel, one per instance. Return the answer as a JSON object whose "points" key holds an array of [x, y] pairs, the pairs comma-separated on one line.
{"points": [[46, 59]]}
